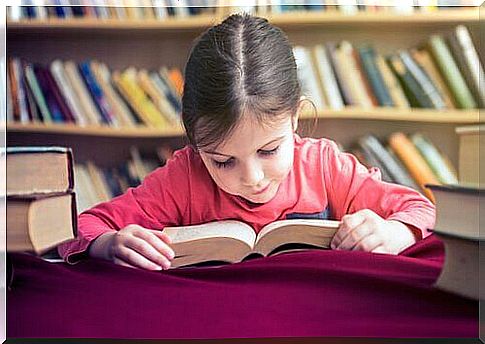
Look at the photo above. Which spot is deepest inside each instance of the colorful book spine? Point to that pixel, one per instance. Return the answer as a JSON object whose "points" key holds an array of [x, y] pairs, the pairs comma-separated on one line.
{"points": [[413, 161], [367, 56], [451, 73], [97, 94]]}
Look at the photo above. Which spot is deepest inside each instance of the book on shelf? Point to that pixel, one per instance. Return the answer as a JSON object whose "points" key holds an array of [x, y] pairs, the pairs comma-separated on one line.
{"points": [[164, 9], [451, 73], [458, 226], [41, 204], [39, 170], [233, 241], [466, 56], [307, 75], [438, 163], [393, 167], [374, 76], [413, 161], [471, 154], [326, 76]]}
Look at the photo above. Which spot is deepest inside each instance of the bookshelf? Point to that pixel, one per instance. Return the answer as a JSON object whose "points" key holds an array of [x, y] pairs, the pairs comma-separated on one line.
{"points": [[150, 43]]}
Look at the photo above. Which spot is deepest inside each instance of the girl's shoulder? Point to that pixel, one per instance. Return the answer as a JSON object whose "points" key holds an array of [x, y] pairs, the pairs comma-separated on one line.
{"points": [[316, 147]]}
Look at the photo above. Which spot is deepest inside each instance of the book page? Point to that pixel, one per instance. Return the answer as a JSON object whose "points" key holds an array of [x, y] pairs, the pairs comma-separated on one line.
{"points": [[219, 229], [310, 222]]}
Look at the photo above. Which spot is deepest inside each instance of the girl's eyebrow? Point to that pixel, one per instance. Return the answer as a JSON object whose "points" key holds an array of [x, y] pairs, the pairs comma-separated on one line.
{"points": [[268, 143]]}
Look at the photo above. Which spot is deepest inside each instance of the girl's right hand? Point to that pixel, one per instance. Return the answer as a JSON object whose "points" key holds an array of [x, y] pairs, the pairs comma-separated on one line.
{"points": [[134, 246]]}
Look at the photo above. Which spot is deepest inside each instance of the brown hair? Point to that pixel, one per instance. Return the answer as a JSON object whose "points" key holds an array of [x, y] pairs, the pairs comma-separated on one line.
{"points": [[242, 66]]}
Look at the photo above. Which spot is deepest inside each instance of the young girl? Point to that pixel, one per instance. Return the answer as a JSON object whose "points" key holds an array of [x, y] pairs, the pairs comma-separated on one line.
{"points": [[245, 162]]}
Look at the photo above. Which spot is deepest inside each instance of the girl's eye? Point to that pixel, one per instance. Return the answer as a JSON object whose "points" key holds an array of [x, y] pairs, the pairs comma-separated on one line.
{"points": [[269, 152], [224, 164]]}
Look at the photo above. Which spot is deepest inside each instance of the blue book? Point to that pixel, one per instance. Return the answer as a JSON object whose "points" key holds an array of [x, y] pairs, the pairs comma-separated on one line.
{"points": [[96, 92]]}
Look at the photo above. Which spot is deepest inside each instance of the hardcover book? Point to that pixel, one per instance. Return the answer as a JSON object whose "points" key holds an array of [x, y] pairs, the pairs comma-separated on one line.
{"points": [[232, 241]]}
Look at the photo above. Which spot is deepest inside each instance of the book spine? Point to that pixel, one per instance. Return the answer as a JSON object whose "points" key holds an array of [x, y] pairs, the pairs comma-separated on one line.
{"points": [[339, 72], [367, 56], [57, 71], [327, 77], [54, 108], [451, 73], [38, 94], [411, 87], [66, 112], [395, 90], [96, 94], [434, 159], [413, 161], [423, 80]]}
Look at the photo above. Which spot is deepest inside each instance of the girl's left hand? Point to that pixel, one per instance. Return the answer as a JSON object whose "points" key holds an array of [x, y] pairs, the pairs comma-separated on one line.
{"points": [[364, 230]]}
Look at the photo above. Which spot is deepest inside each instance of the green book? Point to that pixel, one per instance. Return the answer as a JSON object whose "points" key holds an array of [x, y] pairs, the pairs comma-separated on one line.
{"points": [[451, 73], [37, 93], [434, 159]]}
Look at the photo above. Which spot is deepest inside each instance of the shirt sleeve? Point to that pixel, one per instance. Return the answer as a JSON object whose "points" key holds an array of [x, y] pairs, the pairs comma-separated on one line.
{"points": [[352, 187], [161, 200]]}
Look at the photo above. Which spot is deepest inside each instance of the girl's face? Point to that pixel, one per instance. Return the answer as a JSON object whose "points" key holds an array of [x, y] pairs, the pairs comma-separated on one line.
{"points": [[254, 160]]}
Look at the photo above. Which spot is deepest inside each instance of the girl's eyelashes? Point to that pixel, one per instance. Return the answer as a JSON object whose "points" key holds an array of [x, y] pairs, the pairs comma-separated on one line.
{"points": [[230, 162], [269, 152], [224, 164]]}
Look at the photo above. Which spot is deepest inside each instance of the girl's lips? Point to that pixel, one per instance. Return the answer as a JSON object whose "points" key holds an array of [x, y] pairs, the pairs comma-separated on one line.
{"points": [[262, 190]]}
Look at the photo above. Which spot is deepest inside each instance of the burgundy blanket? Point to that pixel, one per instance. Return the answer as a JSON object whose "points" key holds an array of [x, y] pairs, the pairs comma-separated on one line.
{"points": [[308, 293]]}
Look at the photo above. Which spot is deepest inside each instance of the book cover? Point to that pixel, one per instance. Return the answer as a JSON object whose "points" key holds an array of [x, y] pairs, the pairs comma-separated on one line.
{"points": [[50, 99]]}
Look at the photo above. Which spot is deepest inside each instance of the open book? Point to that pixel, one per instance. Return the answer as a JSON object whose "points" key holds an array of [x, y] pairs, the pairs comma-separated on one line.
{"points": [[232, 241]]}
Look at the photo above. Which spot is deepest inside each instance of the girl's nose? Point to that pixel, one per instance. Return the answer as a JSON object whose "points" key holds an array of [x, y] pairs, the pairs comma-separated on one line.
{"points": [[252, 174]]}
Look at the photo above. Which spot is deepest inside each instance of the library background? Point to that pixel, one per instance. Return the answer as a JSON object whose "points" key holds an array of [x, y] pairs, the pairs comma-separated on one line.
{"points": [[395, 83]]}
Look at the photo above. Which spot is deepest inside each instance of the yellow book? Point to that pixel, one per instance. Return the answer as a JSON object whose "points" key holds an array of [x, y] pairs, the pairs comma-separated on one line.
{"points": [[144, 107], [395, 90], [158, 98]]}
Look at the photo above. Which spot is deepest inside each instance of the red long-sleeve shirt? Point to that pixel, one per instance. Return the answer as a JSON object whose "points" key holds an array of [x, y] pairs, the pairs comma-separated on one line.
{"points": [[323, 183]]}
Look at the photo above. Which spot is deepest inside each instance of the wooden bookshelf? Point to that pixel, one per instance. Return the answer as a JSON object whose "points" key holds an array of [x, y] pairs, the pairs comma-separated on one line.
{"points": [[290, 19], [379, 114], [152, 43]]}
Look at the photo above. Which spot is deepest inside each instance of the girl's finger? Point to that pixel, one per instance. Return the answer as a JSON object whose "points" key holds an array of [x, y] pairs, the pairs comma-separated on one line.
{"points": [[157, 241], [146, 250], [368, 243], [129, 257], [348, 223], [354, 236]]}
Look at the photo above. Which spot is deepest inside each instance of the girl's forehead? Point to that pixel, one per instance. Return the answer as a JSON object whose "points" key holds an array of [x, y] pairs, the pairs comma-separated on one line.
{"points": [[251, 134]]}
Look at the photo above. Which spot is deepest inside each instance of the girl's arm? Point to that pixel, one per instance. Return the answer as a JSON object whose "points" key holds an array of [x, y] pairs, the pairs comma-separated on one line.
{"points": [[393, 216], [161, 200]]}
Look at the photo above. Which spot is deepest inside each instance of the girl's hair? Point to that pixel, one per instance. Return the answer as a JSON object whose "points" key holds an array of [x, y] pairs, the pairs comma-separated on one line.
{"points": [[242, 66]]}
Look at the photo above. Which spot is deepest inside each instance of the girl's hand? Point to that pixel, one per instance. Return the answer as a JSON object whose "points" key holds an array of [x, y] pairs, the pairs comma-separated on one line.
{"points": [[134, 246], [364, 230]]}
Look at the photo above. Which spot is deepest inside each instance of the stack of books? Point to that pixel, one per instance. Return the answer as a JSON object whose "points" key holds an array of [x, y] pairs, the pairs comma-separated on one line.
{"points": [[411, 160], [41, 204], [95, 184], [163, 9], [458, 226], [89, 93], [443, 74]]}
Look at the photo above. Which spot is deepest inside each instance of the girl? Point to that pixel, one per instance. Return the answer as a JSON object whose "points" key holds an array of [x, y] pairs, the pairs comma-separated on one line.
{"points": [[240, 111]]}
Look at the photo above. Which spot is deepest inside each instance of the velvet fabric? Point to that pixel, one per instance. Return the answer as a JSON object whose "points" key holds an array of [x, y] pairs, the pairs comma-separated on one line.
{"points": [[309, 293]]}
